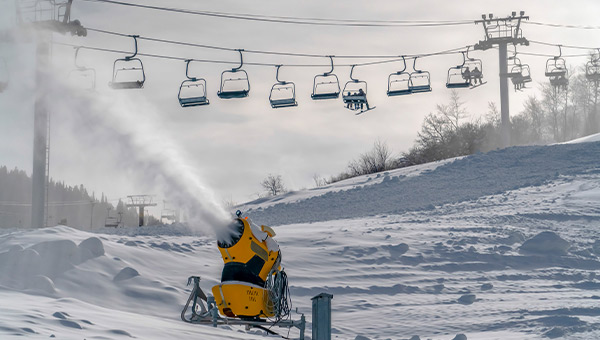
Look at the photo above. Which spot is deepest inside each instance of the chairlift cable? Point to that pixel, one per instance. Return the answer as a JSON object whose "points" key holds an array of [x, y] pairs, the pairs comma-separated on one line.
{"points": [[565, 46], [160, 56], [291, 54], [292, 20], [584, 27]]}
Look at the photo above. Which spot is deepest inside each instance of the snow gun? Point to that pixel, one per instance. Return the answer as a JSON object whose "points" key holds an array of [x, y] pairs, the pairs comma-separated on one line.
{"points": [[252, 266], [254, 288]]}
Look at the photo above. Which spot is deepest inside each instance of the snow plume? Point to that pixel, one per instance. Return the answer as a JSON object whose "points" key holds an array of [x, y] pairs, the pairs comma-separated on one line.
{"points": [[141, 144]]}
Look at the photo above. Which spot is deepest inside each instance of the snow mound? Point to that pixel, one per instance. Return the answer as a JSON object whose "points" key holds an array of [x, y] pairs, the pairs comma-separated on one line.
{"points": [[126, 274], [91, 247], [545, 243], [42, 284]]}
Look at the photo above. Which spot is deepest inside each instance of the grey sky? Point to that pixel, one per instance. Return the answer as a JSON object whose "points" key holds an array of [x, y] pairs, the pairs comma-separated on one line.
{"points": [[232, 145]]}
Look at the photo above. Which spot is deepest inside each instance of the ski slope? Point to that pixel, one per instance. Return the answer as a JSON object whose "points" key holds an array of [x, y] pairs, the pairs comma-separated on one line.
{"points": [[501, 245]]}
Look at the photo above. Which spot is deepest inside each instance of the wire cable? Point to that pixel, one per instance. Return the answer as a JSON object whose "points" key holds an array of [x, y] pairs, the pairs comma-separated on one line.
{"points": [[212, 61], [565, 46], [231, 49], [292, 20], [583, 27]]}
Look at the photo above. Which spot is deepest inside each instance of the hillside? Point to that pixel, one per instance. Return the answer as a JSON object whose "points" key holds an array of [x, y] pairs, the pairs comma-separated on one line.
{"points": [[494, 246]]}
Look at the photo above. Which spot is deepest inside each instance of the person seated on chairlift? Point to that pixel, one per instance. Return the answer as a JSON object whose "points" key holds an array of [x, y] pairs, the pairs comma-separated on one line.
{"points": [[363, 94], [466, 74], [476, 75]]}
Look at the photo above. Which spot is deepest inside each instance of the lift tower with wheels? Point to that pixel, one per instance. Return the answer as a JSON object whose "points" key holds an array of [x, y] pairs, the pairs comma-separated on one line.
{"points": [[501, 32], [141, 202]]}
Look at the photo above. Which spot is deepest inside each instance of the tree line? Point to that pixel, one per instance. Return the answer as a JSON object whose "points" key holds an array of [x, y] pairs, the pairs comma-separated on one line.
{"points": [[69, 205]]}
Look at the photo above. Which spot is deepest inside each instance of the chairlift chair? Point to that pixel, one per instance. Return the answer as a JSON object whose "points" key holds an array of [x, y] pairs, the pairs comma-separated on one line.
{"points": [[128, 72], [82, 76], [192, 91], [475, 67], [556, 66], [283, 93], [419, 80], [354, 94], [592, 69], [399, 82], [457, 77], [326, 85], [4, 75], [523, 77], [235, 82], [556, 71]]}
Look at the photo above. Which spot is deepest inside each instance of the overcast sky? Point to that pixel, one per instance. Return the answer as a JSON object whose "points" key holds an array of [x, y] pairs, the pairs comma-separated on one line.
{"points": [[231, 145]]}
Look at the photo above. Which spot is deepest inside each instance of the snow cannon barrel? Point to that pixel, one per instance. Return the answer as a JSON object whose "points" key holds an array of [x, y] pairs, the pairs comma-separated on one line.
{"points": [[250, 255]]}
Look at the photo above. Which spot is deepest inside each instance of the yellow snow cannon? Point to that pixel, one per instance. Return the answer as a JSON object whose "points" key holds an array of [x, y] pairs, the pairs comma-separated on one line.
{"points": [[251, 258]]}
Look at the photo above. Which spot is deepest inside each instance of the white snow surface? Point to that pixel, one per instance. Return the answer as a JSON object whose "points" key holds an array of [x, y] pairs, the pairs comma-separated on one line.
{"points": [[432, 250]]}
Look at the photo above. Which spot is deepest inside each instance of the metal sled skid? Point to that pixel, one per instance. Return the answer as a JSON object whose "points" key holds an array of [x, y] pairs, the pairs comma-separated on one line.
{"points": [[204, 311]]}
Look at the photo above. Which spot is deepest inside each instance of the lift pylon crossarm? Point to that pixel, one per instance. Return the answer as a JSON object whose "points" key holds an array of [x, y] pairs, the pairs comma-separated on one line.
{"points": [[501, 30], [192, 91], [128, 72], [235, 82], [283, 93], [326, 85], [55, 17]]}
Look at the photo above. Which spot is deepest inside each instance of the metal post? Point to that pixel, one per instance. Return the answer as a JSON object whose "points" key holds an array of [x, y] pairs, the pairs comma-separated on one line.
{"points": [[40, 135], [141, 217], [321, 317], [504, 108], [302, 326]]}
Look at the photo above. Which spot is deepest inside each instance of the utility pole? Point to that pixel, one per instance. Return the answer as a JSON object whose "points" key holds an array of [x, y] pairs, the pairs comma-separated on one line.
{"points": [[501, 32], [42, 20]]}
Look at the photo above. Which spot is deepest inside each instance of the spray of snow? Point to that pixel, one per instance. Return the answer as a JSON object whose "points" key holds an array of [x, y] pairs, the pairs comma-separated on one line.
{"points": [[143, 147]]}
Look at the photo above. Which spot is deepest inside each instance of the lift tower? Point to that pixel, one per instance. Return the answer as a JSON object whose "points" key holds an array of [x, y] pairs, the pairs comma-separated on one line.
{"points": [[501, 32], [37, 22], [141, 202]]}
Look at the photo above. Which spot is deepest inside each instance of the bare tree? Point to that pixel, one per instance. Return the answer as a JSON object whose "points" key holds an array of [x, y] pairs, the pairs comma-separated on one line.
{"points": [[319, 181], [273, 184]]}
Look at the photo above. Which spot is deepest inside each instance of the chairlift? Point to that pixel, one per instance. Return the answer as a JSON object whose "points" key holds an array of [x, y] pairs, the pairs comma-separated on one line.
{"points": [[4, 75], [128, 72], [556, 66], [81, 76], [419, 80], [523, 77], [556, 71], [326, 85], [399, 82], [592, 69], [354, 94], [192, 91], [515, 68], [283, 93], [234, 82], [474, 67], [459, 77]]}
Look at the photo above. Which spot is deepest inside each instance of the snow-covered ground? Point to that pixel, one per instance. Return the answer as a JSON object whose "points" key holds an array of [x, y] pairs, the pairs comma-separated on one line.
{"points": [[500, 245]]}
